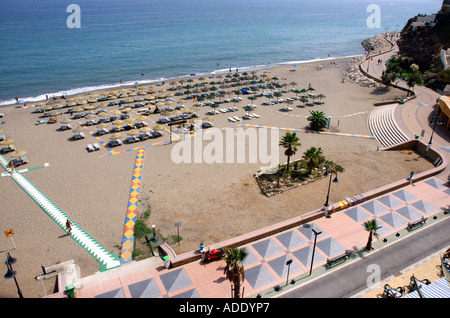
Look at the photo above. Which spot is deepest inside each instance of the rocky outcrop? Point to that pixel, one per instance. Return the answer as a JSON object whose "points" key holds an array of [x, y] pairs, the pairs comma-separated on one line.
{"points": [[424, 43]]}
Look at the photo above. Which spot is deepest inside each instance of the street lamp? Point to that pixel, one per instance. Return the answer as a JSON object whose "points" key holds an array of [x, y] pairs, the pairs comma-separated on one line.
{"points": [[288, 263], [432, 133], [12, 273], [314, 249], [335, 180]]}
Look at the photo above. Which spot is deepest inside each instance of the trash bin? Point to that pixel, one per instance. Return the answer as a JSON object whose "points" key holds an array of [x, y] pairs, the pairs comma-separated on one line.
{"points": [[166, 261], [70, 291], [416, 136]]}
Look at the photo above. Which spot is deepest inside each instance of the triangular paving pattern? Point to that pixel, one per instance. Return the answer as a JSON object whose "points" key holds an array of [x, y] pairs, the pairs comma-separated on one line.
{"points": [[424, 206], [117, 293], [438, 184], [304, 255], [251, 258], [374, 207], [175, 280], [290, 239], [404, 195], [330, 247], [358, 214], [393, 220], [145, 289], [409, 213], [306, 230], [280, 267], [258, 276], [193, 293], [267, 248], [390, 201]]}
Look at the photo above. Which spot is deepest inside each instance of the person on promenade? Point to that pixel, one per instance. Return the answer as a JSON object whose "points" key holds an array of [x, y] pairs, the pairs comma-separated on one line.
{"points": [[69, 226]]}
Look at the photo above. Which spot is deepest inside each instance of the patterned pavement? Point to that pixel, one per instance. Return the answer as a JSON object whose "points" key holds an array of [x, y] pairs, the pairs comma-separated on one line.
{"points": [[265, 266], [131, 214]]}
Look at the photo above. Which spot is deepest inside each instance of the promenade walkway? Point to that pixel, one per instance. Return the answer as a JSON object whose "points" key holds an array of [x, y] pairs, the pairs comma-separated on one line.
{"points": [[265, 265]]}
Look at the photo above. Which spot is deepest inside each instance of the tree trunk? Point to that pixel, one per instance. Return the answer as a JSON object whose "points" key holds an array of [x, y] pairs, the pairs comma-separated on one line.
{"points": [[369, 242]]}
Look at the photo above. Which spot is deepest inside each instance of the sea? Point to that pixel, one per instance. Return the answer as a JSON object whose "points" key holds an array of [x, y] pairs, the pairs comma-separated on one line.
{"points": [[55, 47]]}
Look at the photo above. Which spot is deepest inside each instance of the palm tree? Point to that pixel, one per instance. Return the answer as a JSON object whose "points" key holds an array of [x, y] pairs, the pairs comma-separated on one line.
{"points": [[234, 270], [290, 141], [372, 227], [317, 120], [314, 156]]}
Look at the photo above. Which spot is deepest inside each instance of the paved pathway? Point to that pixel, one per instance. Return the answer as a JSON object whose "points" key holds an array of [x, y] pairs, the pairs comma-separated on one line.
{"points": [[265, 266]]}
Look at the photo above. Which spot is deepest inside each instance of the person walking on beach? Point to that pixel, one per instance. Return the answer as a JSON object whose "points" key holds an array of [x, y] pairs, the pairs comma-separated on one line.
{"points": [[11, 166], [411, 175], [69, 226]]}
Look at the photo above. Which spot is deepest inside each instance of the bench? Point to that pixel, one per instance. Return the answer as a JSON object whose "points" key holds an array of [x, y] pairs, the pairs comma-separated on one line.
{"points": [[416, 224], [339, 258]]}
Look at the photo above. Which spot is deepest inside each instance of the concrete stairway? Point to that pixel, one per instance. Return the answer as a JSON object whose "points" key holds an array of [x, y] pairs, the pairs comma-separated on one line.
{"points": [[382, 125]]}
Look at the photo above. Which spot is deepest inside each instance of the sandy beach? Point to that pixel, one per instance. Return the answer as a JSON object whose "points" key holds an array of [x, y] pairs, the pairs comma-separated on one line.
{"points": [[214, 202]]}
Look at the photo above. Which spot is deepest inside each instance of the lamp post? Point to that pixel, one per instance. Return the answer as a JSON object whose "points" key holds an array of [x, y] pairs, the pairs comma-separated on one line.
{"points": [[335, 180], [432, 133], [314, 249], [12, 273], [288, 263]]}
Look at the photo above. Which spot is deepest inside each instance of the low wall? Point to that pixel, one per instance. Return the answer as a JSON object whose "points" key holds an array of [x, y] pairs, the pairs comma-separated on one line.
{"points": [[416, 145]]}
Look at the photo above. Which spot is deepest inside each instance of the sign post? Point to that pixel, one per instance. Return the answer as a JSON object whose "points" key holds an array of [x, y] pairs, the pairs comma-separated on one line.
{"points": [[10, 233]]}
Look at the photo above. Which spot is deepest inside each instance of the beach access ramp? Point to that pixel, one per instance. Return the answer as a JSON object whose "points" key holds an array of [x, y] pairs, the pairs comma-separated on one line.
{"points": [[106, 259]]}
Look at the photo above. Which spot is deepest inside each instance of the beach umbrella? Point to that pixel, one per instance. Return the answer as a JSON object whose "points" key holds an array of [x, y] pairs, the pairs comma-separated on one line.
{"points": [[117, 122], [66, 120], [103, 125], [141, 118], [208, 118], [18, 153], [116, 112], [90, 116], [7, 141], [158, 127], [185, 110], [129, 120], [81, 102], [125, 110], [115, 136], [133, 132], [145, 129], [89, 107]]}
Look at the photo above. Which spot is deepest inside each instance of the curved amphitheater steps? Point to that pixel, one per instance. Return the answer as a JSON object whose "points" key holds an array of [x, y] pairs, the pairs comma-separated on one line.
{"points": [[382, 125]]}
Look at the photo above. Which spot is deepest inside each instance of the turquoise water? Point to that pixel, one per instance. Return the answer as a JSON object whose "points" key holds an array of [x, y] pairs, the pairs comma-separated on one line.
{"points": [[148, 40]]}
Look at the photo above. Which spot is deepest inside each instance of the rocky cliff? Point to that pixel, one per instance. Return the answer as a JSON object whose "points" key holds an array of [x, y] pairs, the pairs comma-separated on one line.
{"points": [[423, 43]]}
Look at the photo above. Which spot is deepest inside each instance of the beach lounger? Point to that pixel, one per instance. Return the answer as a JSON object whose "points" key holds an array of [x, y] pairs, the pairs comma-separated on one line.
{"points": [[96, 146], [143, 136], [23, 160], [255, 115], [231, 119], [237, 118], [16, 162], [90, 148]]}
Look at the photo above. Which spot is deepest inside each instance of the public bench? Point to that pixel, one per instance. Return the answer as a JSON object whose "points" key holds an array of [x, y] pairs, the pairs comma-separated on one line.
{"points": [[339, 258], [416, 224]]}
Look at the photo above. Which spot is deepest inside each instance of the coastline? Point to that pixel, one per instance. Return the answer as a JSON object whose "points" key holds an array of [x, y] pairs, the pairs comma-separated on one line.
{"points": [[73, 92]]}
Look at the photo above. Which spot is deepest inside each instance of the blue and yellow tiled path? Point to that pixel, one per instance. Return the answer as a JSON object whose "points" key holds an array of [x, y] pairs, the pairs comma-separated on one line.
{"points": [[131, 215]]}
